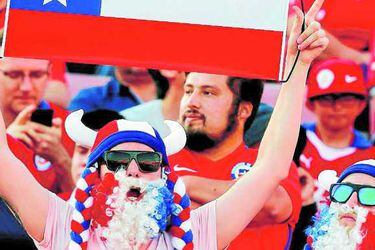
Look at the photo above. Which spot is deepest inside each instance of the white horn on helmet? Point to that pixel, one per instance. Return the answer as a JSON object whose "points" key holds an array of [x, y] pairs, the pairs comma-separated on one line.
{"points": [[77, 131], [326, 178], [176, 139]]}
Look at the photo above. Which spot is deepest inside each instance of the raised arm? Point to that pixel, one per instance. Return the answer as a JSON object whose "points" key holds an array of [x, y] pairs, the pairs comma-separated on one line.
{"points": [[19, 188], [248, 195]]}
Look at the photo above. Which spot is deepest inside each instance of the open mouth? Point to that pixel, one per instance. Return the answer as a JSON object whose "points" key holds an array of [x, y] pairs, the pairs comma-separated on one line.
{"points": [[134, 194], [348, 217]]}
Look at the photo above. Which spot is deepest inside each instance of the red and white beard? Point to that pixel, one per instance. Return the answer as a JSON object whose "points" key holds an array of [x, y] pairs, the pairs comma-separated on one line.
{"points": [[338, 236], [131, 226]]}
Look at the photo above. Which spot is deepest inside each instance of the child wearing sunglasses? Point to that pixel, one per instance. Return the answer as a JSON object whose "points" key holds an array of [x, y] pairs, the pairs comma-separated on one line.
{"points": [[348, 223]]}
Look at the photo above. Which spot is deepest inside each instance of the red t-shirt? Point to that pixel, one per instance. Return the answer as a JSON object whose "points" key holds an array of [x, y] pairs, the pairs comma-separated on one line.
{"points": [[231, 167], [317, 157], [351, 21], [46, 170], [24, 154]]}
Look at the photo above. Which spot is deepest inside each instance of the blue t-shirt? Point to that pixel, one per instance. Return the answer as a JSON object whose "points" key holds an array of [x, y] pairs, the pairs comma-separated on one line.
{"points": [[108, 96]]}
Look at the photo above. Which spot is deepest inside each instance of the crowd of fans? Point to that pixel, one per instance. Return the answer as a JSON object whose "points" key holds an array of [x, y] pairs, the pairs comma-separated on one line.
{"points": [[224, 120]]}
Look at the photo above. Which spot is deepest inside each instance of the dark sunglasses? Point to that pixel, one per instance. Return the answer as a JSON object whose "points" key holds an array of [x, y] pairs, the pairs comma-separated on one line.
{"points": [[343, 99], [341, 193], [148, 162]]}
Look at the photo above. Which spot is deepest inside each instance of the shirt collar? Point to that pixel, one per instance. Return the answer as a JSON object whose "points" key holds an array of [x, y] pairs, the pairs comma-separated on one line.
{"points": [[359, 141]]}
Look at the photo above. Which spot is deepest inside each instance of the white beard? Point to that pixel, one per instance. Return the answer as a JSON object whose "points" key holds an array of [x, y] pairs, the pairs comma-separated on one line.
{"points": [[339, 237], [131, 225]]}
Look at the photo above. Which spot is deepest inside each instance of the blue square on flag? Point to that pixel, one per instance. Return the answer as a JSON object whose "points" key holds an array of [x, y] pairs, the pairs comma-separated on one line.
{"points": [[86, 7]]}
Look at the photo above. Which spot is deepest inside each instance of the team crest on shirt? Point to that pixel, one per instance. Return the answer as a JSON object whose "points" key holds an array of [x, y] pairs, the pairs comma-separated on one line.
{"points": [[41, 163], [240, 169]]}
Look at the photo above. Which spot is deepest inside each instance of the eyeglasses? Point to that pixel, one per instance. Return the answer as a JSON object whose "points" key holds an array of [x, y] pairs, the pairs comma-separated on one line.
{"points": [[345, 100], [341, 193], [19, 75], [148, 162]]}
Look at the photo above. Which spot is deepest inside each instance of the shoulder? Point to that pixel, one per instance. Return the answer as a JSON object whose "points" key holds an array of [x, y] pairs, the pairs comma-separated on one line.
{"points": [[97, 91], [203, 221]]}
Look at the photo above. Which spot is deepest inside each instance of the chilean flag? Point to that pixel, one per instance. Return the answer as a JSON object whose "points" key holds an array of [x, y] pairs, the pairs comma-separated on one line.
{"points": [[233, 37]]}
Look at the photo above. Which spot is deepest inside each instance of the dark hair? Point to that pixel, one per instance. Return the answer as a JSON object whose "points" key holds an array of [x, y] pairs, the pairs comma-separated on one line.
{"points": [[246, 90], [161, 82], [99, 118]]}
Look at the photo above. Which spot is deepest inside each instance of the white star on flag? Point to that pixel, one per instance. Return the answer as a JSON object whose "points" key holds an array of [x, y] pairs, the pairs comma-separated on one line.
{"points": [[63, 2]]}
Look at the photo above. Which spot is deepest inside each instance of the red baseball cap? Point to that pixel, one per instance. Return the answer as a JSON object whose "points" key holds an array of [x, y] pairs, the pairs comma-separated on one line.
{"points": [[336, 76]]}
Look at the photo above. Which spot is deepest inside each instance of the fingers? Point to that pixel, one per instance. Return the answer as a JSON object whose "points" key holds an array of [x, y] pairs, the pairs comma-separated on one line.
{"points": [[38, 127], [311, 34], [298, 22], [322, 42], [36, 137], [313, 11], [25, 139], [24, 115]]}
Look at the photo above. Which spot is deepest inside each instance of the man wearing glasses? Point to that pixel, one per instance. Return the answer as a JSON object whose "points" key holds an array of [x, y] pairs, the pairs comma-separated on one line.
{"points": [[22, 85], [349, 221], [337, 95]]}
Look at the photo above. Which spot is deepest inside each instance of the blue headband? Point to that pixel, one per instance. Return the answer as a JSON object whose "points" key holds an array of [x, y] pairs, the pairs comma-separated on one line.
{"points": [[156, 143], [360, 168]]}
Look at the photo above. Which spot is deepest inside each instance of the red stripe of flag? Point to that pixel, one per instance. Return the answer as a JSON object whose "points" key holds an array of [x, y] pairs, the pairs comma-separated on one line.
{"points": [[119, 41]]}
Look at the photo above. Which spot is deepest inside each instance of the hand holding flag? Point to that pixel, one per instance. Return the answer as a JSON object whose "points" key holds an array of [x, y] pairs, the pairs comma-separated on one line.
{"points": [[313, 41]]}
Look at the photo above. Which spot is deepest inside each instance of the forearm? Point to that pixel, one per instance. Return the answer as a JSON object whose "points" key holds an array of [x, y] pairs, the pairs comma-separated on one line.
{"points": [[24, 194], [337, 49], [203, 190], [277, 209], [282, 130], [63, 172]]}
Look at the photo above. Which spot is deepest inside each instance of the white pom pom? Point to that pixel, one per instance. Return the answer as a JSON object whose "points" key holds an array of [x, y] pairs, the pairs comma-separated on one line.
{"points": [[327, 178]]}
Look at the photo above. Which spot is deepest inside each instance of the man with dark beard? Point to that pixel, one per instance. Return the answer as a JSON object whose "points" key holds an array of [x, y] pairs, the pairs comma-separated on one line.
{"points": [[349, 222], [129, 160], [215, 111]]}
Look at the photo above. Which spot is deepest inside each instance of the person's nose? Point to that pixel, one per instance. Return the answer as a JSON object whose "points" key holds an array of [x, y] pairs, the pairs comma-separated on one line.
{"points": [[337, 105], [26, 84], [353, 200], [133, 170], [194, 100]]}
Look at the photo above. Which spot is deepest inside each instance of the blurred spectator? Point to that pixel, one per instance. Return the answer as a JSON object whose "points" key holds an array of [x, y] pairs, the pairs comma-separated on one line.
{"points": [[216, 110], [131, 87], [337, 95], [57, 89], [94, 120], [167, 108], [22, 83], [253, 136], [349, 24]]}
